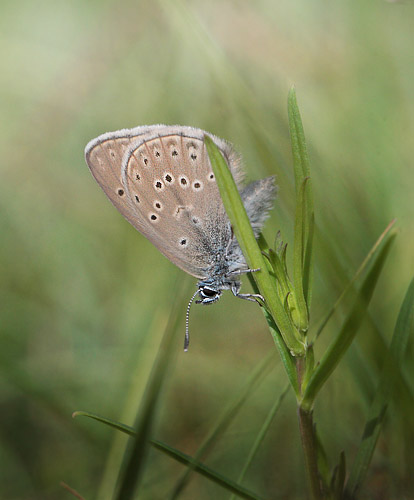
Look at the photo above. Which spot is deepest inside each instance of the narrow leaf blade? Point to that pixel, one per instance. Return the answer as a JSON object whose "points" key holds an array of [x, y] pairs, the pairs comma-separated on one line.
{"points": [[135, 455], [308, 264], [358, 273], [126, 429], [404, 328], [341, 343], [262, 433], [251, 250], [202, 469], [297, 135], [224, 420], [298, 257], [304, 228], [338, 478]]}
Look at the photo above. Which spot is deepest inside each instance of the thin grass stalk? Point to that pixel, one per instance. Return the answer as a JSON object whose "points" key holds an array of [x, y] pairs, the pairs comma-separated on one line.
{"points": [[262, 434], [135, 455], [224, 421]]}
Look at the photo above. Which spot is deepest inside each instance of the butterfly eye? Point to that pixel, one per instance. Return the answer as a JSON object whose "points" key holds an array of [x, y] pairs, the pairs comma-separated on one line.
{"points": [[208, 292]]}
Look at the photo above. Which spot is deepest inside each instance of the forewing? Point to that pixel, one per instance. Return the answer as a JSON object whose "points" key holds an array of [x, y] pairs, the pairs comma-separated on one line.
{"points": [[170, 182], [160, 179], [104, 157]]}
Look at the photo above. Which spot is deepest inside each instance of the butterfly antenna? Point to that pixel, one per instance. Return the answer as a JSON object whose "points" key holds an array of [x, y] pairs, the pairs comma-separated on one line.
{"points": [[187, 317]]}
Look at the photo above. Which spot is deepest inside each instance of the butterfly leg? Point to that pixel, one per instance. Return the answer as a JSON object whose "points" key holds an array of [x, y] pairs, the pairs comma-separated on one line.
{"points": [[245, 271], [253, 297]]}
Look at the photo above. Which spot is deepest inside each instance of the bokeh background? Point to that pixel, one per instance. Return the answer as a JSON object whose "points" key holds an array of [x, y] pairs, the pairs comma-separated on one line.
{"points": [[84, 298]]}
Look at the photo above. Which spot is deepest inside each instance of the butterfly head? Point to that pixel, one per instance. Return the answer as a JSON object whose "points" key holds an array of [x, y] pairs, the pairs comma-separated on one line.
{"points": [[209, 291], [208, 294]]}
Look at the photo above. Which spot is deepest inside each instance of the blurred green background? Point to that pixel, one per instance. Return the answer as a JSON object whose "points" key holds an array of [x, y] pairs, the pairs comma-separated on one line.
{"points": [[84, 298]]}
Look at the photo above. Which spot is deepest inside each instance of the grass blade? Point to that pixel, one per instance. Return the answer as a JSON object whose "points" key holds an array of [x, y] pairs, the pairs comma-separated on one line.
{"points": [[177, 455], [299, 257], [308, 264], [297, 137], [338, 478], [287, 359], [205, 471], [135, 456], [250, 248], [324, 467], [224, 420], [339, 346], [361, 268], [404, 326], [301, 167], [403, 329], [279, 272], [107, 421], [262, 433]]}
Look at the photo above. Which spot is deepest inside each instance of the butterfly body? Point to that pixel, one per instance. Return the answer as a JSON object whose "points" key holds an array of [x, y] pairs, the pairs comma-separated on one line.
{"points": [[160, 178]]}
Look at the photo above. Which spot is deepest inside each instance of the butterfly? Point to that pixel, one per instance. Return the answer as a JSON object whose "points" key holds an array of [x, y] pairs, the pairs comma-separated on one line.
{"points": [[160, 179]]}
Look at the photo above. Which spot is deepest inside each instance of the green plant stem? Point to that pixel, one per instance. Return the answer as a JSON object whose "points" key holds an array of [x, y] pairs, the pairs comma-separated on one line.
{"points": [[308, 439], [243, 231]]}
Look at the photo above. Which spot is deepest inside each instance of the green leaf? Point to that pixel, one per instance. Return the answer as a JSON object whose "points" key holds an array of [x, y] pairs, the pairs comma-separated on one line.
{"points": [[322, 461], [304, 228], [403, 329], [261, 240], [361, 268], [287, 359], [297, 137], [283, 257], [310, 365], [338, 478], [251, 250], [308, 264], [177, 455], [202, 469], [340, 345], [107, 421], [261, 435], [225, 419], [279, 271], [301, 318], [136, 453]]}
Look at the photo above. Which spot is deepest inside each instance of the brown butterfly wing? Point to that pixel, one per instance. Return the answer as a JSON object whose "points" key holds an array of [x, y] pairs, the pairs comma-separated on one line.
{"points": [[104, 158], [161, 180], [170, 180]]}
